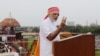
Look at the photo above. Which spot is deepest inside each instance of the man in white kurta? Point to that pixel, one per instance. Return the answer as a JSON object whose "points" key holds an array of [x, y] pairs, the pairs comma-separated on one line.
{"points": [[48, 28]]}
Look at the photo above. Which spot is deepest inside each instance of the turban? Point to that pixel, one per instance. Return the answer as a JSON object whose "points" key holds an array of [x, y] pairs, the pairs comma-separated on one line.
{"points": [[52, 9]]}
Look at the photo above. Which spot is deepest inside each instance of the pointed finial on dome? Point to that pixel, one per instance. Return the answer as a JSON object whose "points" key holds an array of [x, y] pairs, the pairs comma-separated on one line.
{"points": [[10, 16]]}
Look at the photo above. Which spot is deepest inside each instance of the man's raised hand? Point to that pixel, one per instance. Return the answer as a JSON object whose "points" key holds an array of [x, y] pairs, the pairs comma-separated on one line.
{"points": [[63, 23]]}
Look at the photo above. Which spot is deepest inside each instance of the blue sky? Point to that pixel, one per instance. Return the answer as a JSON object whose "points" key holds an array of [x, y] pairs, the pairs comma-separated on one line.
{"points": [[32, 12]]}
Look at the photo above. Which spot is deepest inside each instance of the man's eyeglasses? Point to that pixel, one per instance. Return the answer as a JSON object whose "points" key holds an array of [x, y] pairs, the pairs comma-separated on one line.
{"points": [[56, 14]]}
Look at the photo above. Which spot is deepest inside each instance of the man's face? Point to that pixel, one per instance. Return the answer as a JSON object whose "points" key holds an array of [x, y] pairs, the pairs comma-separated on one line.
{"points": [[54, 16]]}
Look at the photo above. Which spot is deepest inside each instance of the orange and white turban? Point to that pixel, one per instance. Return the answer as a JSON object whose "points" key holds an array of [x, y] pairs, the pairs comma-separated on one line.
{"points": [[52, 9]]}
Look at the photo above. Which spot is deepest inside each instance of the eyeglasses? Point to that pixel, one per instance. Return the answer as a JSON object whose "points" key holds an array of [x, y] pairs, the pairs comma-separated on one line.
{"points": [[56, 14]]}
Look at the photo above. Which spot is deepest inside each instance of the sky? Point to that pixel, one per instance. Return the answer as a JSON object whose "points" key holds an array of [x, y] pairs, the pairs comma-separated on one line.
{"points": [[32, 12]]}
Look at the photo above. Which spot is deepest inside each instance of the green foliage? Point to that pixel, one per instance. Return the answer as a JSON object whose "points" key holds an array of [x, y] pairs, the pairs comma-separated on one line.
{"points": [[82, 29], [35, 29]]}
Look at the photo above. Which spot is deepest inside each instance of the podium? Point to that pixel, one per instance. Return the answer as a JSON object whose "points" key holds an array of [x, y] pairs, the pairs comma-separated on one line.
{"points": [[79, 45]]}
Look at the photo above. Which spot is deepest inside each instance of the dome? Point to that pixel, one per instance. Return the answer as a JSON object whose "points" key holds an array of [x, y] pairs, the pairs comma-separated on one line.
{"points": [[9, 22]]}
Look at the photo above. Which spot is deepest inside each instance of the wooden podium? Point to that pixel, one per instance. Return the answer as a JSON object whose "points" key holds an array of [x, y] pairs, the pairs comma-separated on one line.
{"points": [[79, 45]]}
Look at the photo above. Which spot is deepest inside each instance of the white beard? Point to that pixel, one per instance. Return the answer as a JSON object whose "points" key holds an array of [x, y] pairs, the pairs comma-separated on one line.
{"points": [[53, 20]]}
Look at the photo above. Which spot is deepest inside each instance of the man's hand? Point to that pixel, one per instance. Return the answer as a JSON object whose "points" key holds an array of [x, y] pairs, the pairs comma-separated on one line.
{"points": [[63, 23]]}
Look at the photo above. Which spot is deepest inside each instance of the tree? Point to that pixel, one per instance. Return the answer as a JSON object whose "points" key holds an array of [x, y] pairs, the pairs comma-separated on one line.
{"points": [[35, 29]]}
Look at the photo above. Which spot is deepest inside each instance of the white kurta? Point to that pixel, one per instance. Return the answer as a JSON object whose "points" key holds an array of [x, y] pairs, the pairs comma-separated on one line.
{"points": [[47, 27]]}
